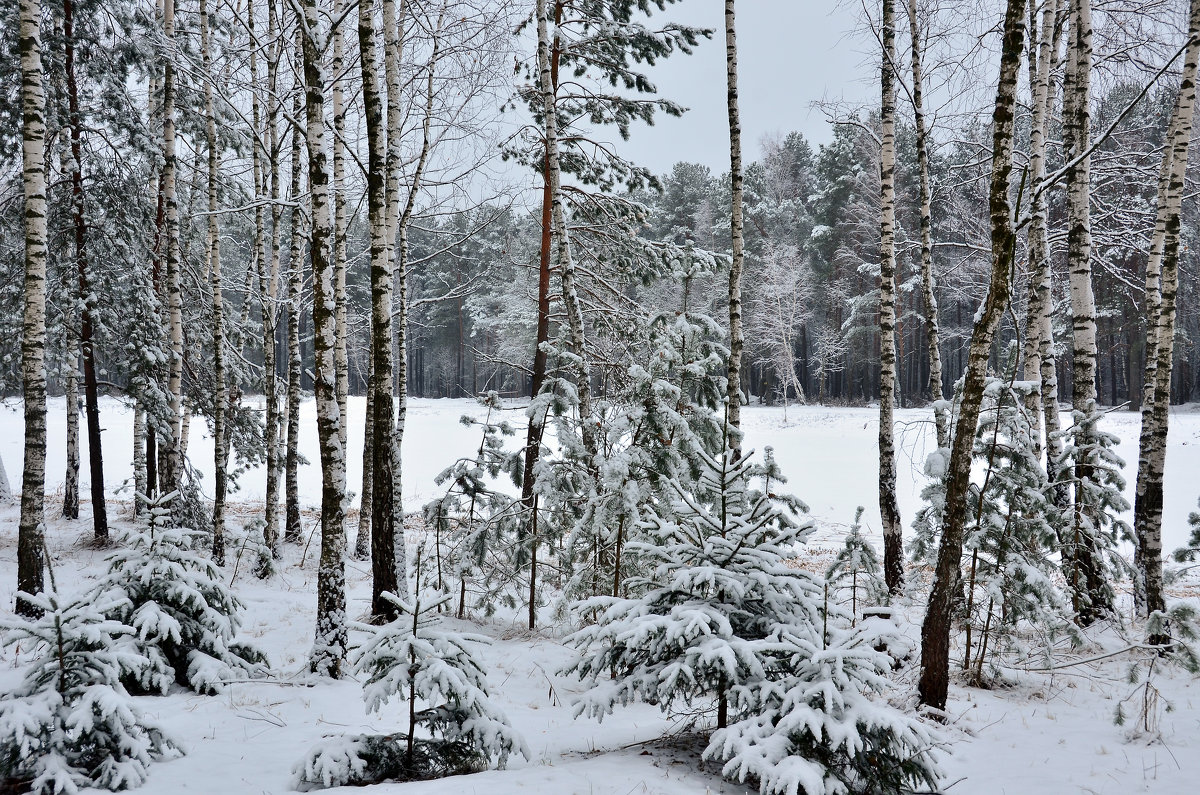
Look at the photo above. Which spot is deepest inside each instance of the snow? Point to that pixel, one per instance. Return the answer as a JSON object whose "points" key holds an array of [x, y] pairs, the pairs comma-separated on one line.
{"points": [[1051, 733]]}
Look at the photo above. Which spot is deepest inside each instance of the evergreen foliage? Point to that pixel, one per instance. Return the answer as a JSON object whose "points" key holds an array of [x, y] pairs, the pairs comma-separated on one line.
{"points": [[720, 615], [856, 567], [416, 659], [184, 619], [70, 724]]}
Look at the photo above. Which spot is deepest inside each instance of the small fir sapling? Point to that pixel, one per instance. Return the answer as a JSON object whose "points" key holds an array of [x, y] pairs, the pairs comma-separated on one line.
{"points": [[1095, 524], [185, 620], [70, 724], [856, 569], [475, 525], [721, 616], [440, 674]]}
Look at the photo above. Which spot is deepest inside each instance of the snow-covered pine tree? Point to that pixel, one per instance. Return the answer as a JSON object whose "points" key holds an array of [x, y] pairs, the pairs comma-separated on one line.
{"points": [[1089, 537], [70, 724], [475, 525], [1010, 540], [721, 616], [184, 619], [856, 569], [421, 661]]}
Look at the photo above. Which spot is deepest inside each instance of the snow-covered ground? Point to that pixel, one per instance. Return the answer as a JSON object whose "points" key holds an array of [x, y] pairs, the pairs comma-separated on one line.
{"points": [[1051, 733]]}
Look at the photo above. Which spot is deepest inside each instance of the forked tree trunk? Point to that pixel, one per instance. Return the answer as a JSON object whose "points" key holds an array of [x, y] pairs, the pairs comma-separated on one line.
{"points": [[213, 251], [30, 559], [331, 639], [381, 423], [1162, 278], [733, 408], [1039, 331], [935, 630], [889, 508], [933, 345]]}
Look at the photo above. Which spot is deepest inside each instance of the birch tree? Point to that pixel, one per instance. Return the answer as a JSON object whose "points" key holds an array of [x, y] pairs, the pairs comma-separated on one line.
{"points": [[933, 343], [30, 543], [172, 456], [1162, 282], [733, 409], [213, 266], [889, 508], [935, 629], [329, 650], [292, 530], [1084, 574]]}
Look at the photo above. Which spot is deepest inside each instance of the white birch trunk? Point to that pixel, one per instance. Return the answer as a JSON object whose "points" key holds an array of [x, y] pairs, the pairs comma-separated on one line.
{"points": [[331, 639], [30, 560], [733, 409], [173, 458], [292, 530], [1162, 276], [889, 508]]}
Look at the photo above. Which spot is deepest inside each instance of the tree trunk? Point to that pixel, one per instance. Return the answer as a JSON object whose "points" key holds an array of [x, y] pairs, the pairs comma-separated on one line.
{"points": [[268, 275], [382, 512], [935, 630], [173, 470], [86, 330], [548, 53], [340, 224], [733, 409], [1039, 331], [941, 415], [1162, 276], [889, 508], [70, 500], [213, 249], [330, 643], [1090, 596], [292, 530], [30, 546], [140, 479]]}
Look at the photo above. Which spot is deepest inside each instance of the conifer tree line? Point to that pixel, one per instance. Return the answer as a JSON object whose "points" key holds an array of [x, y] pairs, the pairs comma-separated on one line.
{"points": [[218, 209]]}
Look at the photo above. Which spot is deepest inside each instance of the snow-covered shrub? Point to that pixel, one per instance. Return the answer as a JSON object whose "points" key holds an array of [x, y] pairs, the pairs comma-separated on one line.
{"points": [[440, 675], [70, 724], [721, 616], [856, 569], [184, 618]]}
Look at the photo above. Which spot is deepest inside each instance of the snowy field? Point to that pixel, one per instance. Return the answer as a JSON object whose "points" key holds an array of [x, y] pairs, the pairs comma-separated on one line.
{"points": [[1051, 733]]}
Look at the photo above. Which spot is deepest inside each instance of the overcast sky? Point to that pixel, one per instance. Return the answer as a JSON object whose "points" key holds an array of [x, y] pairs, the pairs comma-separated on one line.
{"points": [[791, 53]]}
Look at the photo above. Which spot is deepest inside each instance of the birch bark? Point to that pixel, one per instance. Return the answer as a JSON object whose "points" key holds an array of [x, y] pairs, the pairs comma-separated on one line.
{"points": [[30, 561], [1162, 277], [331, 640], [935, 630], [889, 509], [733, 409]]}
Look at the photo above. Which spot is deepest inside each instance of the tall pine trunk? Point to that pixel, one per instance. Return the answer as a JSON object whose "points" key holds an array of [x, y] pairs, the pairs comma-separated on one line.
{"points": [[935, 630], [889, 508], [30, 560], [1162, 281]]}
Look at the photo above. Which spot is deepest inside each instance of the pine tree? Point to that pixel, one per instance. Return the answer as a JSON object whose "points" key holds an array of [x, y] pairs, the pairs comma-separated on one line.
{"points": [[70, 724], [721, 616], [185, 620], [417, 659], [858, 563]]}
